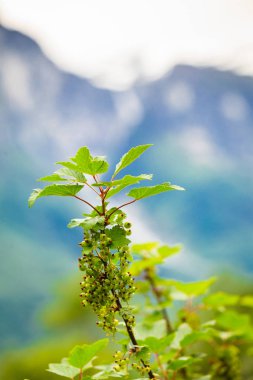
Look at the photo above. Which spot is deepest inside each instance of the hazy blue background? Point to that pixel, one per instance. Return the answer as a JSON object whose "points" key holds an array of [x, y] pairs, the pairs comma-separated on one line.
{"points": [[199, 119]]}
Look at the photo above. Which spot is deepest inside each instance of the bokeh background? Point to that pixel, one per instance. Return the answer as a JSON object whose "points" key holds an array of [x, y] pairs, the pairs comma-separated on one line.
{"points": [[110, 75]]}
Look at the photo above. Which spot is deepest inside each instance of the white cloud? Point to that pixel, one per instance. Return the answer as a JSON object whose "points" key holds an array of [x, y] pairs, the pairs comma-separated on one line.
{"points": [[16, 81], [200, 147], [99, 130], [128, 108], [234, 107], [191, 265], [179, 97], [186, 263], [116, 41]]}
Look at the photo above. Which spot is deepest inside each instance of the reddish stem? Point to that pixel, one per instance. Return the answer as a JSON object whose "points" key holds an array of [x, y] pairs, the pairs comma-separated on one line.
{"points": [[92, 188], [125, 204], [157, 294], [89, 204], [163, 371]]}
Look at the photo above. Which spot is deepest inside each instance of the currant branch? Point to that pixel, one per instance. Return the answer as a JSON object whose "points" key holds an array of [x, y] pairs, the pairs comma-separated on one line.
{"points": [[156, 292]]}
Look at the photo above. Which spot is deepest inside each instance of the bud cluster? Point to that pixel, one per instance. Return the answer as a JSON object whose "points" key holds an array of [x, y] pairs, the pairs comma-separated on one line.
{"points": [[142, 369], [106, 282], [122, 361], [228, 366]]}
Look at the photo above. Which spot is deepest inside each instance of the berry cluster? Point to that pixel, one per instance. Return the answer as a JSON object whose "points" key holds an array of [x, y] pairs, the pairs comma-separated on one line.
{"points": [[142, 369], [228, 366], [107, 282], [122, 361]]}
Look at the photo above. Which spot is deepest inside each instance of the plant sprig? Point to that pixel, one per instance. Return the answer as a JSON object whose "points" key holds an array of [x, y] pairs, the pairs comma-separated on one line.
{"points": [[111, 277], [107, 284]]}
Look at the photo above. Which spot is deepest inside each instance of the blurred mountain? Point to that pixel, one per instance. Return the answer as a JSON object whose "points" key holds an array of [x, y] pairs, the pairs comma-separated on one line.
{"points": [[201, 122]]}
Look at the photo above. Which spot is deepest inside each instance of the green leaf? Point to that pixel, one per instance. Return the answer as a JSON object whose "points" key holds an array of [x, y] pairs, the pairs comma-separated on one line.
{"points": [[102, 183], [118, 236], [34, 195], [87, 223], [58, 190], [69, 165], [158, 306], [142, 352], [196, 336], [94, 212], [63, 369], [76, 223], [142, 249], [247, 301], [183, 330], [140, 265], [128, 180], [150, 329], [232, 320], [194, 289], [166, 251], [88, 164], [71, 174], [221, 299], [130, 157], [64, 174], [183, 361], [96, 222], [82, 158], [83, 162], [151, 257], [106, 372], [98, 165], [158, 345], [52, 178], [81, 355], [152, 342], [115, 216], [148, 191]]}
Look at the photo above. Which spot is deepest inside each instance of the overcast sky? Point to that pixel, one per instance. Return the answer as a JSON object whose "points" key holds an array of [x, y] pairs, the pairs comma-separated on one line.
{"points": [[114, 42]]}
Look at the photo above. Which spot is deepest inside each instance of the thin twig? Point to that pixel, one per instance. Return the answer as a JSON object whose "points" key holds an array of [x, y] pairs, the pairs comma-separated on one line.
{"points": [[159, 300], [116, 209], [94, 208], [163, 371], [100, 258], [132, 336], [106, 190], [100, 187], [92, 188], [103, 204], [119, 306]]}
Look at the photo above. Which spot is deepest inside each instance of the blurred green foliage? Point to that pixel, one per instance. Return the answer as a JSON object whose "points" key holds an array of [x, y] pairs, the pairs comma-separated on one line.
{"points": [[66, 324]]}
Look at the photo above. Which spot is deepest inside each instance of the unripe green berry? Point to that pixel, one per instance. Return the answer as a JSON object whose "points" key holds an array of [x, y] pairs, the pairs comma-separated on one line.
{"points": [[117, 368], [102, 237]]}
